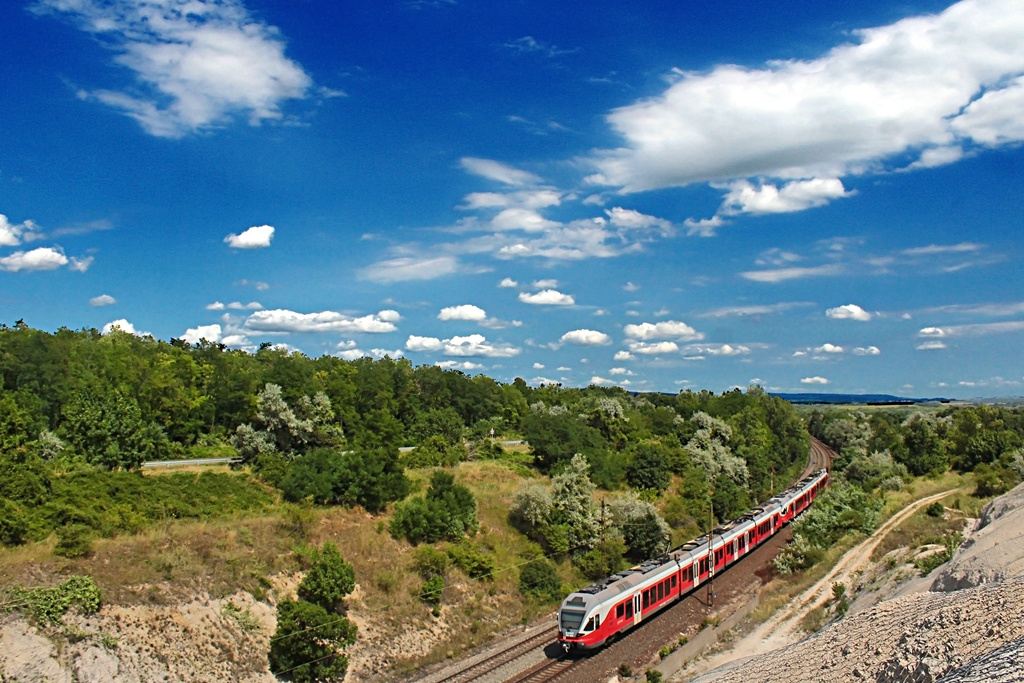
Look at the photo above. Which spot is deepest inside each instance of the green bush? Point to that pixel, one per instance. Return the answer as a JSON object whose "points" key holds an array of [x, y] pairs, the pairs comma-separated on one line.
{"points": [[329, 579], [428, 561], [430, 591], [49, 605], [540, 579], [74, 540], [13, 525], [603, 560], [435, 451], [936, 509], [470, 559], [447, 511], [305, 646]]}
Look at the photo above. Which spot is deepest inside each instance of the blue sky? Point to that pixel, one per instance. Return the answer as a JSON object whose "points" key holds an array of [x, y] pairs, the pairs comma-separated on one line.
{"points": [[657, 195]]}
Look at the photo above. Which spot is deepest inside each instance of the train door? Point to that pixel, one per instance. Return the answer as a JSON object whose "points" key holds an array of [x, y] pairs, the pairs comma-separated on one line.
{"points": [[636, 609]]}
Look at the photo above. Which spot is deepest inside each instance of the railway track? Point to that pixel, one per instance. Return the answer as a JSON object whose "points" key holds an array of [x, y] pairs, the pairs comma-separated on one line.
{"points": [[489, 662]]}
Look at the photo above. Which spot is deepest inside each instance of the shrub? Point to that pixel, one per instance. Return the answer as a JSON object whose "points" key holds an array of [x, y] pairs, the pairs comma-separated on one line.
{"points": [[49, 605], [603, 560], [329, 579], [936, 509], [447, 511], [540, 579], [428, 561], [305, 646], [13, 525], [435, 451], [430, 591], [472, 560], [74, 540]]}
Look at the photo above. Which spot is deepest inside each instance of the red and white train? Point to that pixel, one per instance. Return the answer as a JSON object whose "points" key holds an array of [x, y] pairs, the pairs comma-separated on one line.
{"points": [[588, 618]]}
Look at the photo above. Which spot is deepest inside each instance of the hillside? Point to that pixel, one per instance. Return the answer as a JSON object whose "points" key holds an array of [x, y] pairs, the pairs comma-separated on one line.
{"points": [[968, 625]]}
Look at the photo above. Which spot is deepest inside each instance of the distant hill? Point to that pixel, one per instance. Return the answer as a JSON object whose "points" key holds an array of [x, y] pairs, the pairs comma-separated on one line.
{"points": [[874, 399]]}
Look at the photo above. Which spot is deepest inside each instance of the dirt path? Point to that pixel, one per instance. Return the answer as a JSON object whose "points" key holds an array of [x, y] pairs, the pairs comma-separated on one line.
{"points": [[783, 628]]}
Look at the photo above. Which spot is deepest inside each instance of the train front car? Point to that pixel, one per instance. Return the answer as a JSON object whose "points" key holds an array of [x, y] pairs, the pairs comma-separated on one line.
{"points": [[579, 623]]}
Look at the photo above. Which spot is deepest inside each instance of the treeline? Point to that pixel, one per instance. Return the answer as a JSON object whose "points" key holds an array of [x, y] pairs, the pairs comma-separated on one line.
{"points": [[884, 448]]}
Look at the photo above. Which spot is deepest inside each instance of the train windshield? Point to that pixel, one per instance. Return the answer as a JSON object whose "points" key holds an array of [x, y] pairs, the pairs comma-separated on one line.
{"points": [[571, 620]]}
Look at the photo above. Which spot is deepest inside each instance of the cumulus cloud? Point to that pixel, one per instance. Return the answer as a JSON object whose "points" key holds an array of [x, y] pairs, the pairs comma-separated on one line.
{"points": [[196, 62], [652, 348], [13, 234], [718, 349], [42, 258], [210, 333], [797, 195], [102, 300], [624, 355], [923, 83], [124, 326], [544, 284], [508, 282], [463, 312], [494, 170], [284, 321], [456, 365], [586, 338], [867, 351], [667, 329], [470, 345], [814, 380], [547, 297], [848, 312], [256, 237], [234, 306], [828, 348]]}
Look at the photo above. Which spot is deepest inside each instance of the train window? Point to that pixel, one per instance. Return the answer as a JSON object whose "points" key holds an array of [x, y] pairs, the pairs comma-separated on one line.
{"points": [[597, 621], [590, 625], [629, 609], [673, 581], [661, 591], [571, 620], [619, 611], [647, 599]]}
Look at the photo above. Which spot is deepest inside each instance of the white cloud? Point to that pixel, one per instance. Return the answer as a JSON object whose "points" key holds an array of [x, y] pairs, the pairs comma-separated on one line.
{"points": [[42, 258], [650, 349], [410, 268], [124, 326], [848, 312], [624, 355], [538, 366], [601, 380], [922, 83], [423, 344], [783, 274], [547, 297], [586, 338], [828, 348], [470, 345], [455, 365], [80, 264], [797, 195], [634, 220], [256, 237], [508, 282], [667, 329], [814, 380], [102, 300], [703, 227], [963, 247], [867, 351], [281, 320], [766, 309], [12, 234], [630, 287], [463, 312], [352, 354], [210, 333], [495, 170], [978, 330], [196, 62], [235, 306], [523, 199], [717, 349], [544, 284], [930, 346]]}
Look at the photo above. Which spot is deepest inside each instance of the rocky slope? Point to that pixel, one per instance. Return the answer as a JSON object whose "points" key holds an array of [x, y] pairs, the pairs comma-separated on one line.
{"points": [[968, 627]]}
